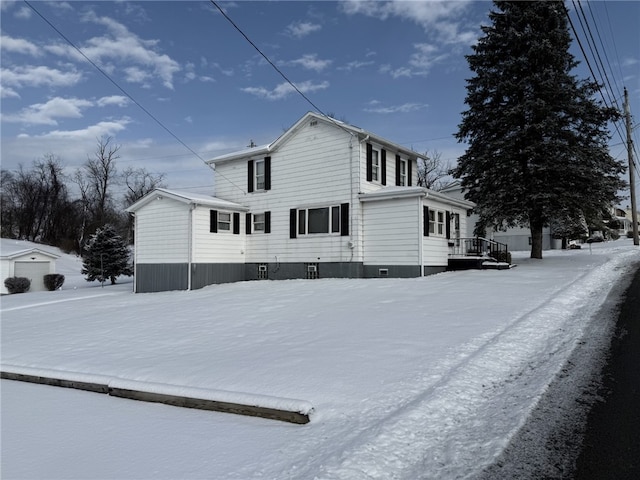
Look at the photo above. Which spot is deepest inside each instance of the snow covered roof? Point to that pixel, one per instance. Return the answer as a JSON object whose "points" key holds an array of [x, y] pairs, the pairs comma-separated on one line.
{"points": [[267, 149], [186, 197], [10, 249], [387, 193]]}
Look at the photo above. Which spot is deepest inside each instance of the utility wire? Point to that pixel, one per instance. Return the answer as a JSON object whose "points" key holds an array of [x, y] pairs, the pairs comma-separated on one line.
{"points": [[273, 65], [266, 58], [130, 97], [584, 54]]}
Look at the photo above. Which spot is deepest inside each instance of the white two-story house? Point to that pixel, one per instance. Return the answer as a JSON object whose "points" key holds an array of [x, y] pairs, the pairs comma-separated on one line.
{"points": [[325, 199]]}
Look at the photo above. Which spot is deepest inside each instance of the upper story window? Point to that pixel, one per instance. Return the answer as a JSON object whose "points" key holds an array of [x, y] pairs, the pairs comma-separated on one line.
{"points": [[402, 173], [375, 166], [259, 175]]}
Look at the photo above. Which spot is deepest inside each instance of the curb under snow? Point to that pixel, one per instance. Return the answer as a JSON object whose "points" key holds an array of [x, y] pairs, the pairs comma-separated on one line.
{"points": [[264, 406]]}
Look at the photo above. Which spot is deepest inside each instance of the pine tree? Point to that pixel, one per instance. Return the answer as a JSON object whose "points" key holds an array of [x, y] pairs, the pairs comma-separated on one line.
{"points": [[537, 137], [106, 256]]}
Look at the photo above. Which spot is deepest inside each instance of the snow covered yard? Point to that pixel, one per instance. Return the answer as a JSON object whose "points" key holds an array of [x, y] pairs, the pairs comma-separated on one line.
{"points": [[408, 378]]}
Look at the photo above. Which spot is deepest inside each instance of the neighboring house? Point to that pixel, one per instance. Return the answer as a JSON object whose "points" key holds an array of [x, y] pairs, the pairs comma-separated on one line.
{"points": [[34, 263], [515, 238], [325, 199]]}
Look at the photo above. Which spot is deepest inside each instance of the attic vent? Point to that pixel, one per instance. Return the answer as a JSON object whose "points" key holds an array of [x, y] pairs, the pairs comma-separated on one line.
{"points": [[313, 123]]}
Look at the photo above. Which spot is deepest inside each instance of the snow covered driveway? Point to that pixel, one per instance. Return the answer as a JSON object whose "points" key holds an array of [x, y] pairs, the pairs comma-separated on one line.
{"points": [[409, 378]]}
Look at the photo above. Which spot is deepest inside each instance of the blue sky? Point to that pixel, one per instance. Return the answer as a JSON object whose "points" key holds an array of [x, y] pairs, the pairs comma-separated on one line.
{"points": [[394, 68]]}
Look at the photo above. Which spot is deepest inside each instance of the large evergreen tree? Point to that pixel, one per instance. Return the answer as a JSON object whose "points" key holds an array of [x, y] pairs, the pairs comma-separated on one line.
{"points": [[106, 256], [537, 137]]}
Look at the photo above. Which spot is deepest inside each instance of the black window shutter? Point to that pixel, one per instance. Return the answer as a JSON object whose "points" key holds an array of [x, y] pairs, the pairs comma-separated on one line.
{"points": [[250, 176], [369, 162], [448, 225], [344, 219], [383, 166], [267, 173], [293, 227], [247, 223], [267, 222], [213, 221], [398, 163], [236, 223], [408, 172], [425, 220]]}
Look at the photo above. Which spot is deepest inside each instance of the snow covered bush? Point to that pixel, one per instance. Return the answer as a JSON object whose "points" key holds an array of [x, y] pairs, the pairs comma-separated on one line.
{"points": [[53, 281], [17, 284], [106, 256]]}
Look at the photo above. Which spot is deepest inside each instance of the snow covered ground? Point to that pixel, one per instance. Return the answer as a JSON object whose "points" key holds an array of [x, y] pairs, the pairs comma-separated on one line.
{"points": [[408, 378]]}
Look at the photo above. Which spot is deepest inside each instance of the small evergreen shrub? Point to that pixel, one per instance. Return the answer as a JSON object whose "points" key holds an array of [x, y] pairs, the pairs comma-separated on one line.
{"points": [[630, 234], [17, 284], [53, 281]]}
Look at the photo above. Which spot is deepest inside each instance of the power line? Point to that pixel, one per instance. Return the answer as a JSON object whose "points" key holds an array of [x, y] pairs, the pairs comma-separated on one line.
{"points": [[273, 65], [129, 96], [584, 54], [267, 58]]}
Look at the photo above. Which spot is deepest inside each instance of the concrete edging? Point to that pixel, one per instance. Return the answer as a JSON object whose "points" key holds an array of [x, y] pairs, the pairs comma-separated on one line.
{"points": [[300, 417]]}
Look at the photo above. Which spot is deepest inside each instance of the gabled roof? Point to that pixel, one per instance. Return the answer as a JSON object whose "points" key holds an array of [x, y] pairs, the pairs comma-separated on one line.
{"points": [[309, 116], [11, 249], [186, 198]]}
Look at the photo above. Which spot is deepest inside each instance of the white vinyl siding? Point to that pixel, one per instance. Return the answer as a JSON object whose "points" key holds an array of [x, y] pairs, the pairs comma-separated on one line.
{"points": [[307, 170], [162, 232], [392, 232], [221, 247]]}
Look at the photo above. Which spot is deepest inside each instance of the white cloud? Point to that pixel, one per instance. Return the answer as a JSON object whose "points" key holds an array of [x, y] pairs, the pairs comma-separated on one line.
{"points": [[442, 21], [142, 61], [91, 132], [47, 113], [38, 76], [19, 45], [6, 92], [310, 62], [283, 90], [301, 29], [436, 17], [23, 13], [137, 75], [117, 100], [354, 65], [404, 108]]}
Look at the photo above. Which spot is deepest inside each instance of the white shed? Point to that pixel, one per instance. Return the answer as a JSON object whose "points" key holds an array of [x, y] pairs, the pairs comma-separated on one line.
{"points": [[19, 259]]}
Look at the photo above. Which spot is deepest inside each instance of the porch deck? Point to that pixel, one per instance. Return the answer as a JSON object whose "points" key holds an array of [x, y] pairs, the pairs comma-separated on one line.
{"points": [[478, 253]]}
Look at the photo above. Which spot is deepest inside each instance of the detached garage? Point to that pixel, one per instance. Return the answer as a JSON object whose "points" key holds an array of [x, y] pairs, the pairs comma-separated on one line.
{"points": [[32, 263]]}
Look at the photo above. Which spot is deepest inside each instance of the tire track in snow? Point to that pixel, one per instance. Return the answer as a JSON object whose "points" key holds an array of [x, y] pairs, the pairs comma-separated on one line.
{"points": [[477, 394]]}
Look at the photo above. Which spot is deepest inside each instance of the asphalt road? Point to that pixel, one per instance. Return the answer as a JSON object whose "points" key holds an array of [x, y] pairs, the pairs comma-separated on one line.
{"points": [[611, 446], [587, 425]]}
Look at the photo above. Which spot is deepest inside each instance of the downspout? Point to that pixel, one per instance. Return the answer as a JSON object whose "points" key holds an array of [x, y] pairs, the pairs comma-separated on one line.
{"points": [[190, 249], [421, 232], [135, 252]]}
